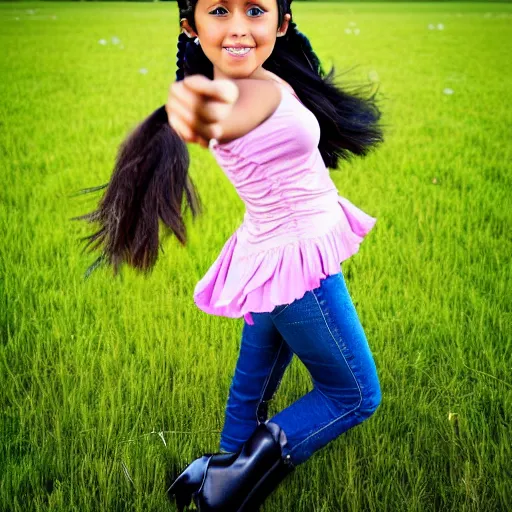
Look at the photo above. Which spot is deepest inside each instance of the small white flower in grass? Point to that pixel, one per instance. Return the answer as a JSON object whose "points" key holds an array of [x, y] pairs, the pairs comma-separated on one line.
{"points": [[102, 41], [453, 418], [440, 26], [352, 23], [431, 26], [115, 40], [356, 31], [447, 90], [348, 31], [143, 71], [373, 76]]}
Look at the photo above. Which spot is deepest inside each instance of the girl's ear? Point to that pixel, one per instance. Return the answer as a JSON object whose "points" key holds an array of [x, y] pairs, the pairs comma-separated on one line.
{"points": [[284, 26], [185, 27]]}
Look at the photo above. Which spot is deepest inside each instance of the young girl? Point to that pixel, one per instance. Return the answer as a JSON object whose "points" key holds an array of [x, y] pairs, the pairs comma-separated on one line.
{"points": [[274, 130]]}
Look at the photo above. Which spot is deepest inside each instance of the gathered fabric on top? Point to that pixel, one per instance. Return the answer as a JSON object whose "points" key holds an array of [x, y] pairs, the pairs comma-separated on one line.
{"points": [[296, 229]]}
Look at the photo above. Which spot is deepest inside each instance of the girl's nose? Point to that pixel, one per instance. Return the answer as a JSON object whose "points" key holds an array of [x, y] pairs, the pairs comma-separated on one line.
{"points": [[238, 26]]}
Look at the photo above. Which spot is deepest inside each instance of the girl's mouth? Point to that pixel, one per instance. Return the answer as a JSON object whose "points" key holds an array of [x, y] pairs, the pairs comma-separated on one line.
{"points": [[237, 53]]}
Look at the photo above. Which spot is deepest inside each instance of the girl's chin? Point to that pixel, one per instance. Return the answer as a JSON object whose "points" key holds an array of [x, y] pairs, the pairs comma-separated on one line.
{"points": [[235, 72]]}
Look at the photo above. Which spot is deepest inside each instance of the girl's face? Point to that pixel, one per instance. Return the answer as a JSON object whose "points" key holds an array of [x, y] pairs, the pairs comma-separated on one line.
{"points": [[226, 23]]}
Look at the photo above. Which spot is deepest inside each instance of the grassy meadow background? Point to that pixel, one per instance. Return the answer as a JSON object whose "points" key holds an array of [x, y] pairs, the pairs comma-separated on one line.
{"points": [[110, 385]]}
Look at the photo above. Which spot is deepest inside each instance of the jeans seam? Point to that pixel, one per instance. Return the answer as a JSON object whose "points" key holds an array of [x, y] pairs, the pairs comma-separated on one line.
{"points": [[284, 309], [265, 385], [358, 387]]}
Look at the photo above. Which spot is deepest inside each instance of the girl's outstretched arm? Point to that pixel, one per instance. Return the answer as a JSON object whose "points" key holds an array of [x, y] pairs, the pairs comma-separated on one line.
{"points": [[200, 109]]}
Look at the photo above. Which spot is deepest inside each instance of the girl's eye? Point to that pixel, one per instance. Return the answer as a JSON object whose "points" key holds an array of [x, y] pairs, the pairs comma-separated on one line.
{"points": [[217, 8], [256, 8]]}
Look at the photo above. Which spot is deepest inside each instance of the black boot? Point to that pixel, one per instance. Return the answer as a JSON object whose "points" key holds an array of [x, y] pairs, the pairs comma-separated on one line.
{"points": [[241, 481]]}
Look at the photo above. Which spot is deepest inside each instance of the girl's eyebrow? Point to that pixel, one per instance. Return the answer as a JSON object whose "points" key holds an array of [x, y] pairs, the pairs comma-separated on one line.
{"points": [[228, 1]]}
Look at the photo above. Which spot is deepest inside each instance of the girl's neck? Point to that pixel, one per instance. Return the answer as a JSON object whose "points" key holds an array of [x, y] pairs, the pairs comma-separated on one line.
{"points": [[262, 74]]}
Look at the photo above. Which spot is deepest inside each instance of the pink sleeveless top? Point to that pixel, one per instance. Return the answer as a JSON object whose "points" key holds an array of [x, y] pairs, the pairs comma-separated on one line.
{"points": [[296, 229]]}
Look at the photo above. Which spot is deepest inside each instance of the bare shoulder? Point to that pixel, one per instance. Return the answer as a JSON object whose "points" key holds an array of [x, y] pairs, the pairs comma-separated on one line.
{"points": [[256, 86], [257, 101], [275, 78]]}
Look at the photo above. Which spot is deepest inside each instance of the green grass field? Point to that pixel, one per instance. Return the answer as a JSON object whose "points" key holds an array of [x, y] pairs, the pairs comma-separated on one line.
{"points": [[109, 384]]}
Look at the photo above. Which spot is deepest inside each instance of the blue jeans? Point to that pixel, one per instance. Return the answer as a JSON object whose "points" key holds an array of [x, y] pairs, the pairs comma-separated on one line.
{"points": [[323, 330]]}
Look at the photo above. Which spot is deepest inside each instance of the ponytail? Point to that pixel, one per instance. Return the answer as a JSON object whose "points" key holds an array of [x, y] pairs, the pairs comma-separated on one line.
{"points": [[147, 185], [149, 180]]}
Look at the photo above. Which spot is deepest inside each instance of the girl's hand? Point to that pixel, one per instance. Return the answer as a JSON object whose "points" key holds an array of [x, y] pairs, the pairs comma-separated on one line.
{"points": [[197, 104]]}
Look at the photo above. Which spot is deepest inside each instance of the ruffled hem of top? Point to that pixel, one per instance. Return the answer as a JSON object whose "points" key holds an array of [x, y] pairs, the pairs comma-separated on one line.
{"points": [[235, 286]]}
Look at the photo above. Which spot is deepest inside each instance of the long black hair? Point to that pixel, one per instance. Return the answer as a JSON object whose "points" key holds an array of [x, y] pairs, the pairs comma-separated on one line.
{"points": [[151, 177]]}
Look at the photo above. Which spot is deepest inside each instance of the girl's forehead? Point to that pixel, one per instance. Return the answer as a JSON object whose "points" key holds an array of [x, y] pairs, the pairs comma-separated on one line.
{"points": [[240, 3]]}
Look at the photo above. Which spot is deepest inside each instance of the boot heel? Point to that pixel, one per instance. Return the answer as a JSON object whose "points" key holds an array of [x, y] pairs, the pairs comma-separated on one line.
{"points": [[188, 482], [183, 499]]}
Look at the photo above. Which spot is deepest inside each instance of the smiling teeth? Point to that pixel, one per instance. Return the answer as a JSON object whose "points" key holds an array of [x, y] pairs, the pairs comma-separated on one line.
{"points": [[241, 51]]}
